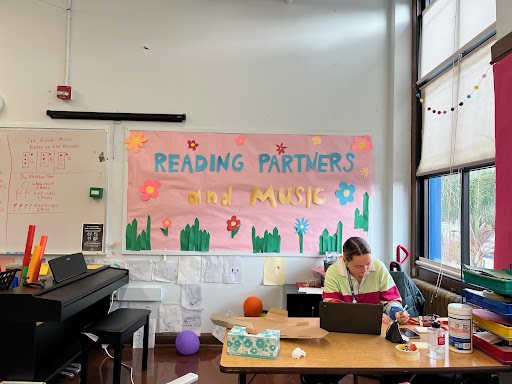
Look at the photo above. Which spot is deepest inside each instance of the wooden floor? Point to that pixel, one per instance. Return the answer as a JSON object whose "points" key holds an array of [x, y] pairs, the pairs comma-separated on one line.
{"points": [[166, 364]]}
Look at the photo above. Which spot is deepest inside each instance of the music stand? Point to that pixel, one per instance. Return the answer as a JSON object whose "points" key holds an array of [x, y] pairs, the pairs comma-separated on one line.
{"points": [[6, 279]]}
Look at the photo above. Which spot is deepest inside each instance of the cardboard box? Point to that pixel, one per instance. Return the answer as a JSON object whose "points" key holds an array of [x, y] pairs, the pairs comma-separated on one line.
{"points": [[264, 345], [276, 319]]}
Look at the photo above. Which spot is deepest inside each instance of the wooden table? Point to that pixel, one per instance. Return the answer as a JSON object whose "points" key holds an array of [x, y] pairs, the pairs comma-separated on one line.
{"points": [[346, 353]]}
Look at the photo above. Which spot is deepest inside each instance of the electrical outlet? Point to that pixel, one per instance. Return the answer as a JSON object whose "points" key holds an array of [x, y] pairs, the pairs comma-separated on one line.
{"points": [[414, 272]]}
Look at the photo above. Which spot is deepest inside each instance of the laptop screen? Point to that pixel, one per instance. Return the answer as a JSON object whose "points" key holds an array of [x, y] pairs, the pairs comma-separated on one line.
{"points": [[351, 318], [66, 267]]}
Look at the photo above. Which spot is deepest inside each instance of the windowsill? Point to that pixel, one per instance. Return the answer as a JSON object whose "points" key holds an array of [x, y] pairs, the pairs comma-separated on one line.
{"points": [[447, 270], [450, 279]]}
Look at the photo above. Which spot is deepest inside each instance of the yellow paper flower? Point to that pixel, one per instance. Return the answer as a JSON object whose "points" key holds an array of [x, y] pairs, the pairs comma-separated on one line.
{"points": [[135, 141], [364, 172], [316, 140]]}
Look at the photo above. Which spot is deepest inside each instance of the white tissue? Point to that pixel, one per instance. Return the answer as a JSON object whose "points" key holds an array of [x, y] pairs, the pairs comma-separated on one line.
{"points": [[297, 353]]}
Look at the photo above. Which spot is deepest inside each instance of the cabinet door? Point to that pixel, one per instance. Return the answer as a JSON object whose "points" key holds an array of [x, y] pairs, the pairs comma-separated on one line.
{"points": [[303, 305]]}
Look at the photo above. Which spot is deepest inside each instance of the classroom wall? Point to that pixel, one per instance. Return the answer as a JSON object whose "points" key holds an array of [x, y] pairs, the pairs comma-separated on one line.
{"points": [[262, 66], [503, 19]]}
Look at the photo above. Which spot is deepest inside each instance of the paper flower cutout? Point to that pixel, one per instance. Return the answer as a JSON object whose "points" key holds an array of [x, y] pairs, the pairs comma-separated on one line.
{"points": [[362, 144], [240, 140], [317, 140], [149, 190], [192, 144], [135, 141], [364, 172], [233, 225], [346, 193], [280, 148], [301, 227], [166, 224]]}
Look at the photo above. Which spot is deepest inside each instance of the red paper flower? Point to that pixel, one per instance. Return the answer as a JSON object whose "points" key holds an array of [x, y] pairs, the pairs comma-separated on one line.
{"points": [[233, 224], [240, 140], [362, 144], [149, 189], [192, 144], [166, 224], [280, 148]]}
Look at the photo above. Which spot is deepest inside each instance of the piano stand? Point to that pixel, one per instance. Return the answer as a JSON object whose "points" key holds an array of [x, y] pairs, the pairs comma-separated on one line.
{"points": [[41, 327], [113, 329]]}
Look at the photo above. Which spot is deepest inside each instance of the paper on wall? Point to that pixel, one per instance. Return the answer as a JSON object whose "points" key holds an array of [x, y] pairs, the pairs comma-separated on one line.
{"points": [[233, 270], [212, 269], [189, 270], [191, 296], [166, 271], [170, 317], [191, 319], [220, 332], [140, 270], [274, 270]]}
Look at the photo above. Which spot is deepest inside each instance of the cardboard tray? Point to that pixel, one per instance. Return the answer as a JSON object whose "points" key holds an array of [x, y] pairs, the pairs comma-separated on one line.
{"points": [[275, 319]]}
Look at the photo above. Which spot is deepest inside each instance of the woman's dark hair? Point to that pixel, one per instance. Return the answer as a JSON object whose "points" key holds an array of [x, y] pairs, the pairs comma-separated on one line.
{"points": [[355, 246]]}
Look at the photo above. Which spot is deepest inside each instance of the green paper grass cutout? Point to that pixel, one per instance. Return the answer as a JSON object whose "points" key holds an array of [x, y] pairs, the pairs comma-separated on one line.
{"points": [[331, 243], [361, 221], [194, 239], [135, 242], [270, 242]]}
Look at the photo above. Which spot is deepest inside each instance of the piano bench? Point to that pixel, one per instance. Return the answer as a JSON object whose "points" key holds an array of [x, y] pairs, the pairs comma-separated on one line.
{"points": [[114, 329]]}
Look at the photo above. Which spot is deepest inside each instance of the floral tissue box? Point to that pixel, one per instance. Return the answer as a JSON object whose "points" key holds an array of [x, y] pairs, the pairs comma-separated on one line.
{"points": [[264, 344]]}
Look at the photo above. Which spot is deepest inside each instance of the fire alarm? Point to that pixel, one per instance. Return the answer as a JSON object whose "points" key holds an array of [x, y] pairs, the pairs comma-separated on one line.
{"points": [[64, 92]]}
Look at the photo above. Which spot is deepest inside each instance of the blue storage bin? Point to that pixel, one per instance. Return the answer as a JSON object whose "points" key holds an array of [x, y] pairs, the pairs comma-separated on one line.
{"points": [[478, 298]]}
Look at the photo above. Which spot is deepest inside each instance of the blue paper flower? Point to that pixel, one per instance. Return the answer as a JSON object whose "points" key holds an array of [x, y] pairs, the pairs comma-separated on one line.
{"points": [[301, 226], [346, 193]]}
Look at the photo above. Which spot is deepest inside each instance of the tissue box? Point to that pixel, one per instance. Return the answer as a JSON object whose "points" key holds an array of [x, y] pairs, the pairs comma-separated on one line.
{"points": [[264, 345]]}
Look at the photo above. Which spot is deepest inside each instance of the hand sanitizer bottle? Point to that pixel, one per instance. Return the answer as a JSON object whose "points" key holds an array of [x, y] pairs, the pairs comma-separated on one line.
{"points": [[436, 341]]}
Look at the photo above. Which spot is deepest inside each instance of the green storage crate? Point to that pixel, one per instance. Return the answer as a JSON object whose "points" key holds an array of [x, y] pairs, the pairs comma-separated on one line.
{"points": [[495, 284]]}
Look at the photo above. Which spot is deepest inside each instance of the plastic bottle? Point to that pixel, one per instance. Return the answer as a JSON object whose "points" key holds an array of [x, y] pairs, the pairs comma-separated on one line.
{"points": [[460, 325], [436, 341]]}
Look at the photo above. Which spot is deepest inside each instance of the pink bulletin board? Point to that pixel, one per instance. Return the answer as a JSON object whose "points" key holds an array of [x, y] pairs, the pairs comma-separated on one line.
{"points": [[198, 191]]}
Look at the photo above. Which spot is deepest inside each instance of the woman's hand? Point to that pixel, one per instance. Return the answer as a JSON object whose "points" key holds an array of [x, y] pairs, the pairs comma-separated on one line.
{"points": [[402, 317], [386, 319]]}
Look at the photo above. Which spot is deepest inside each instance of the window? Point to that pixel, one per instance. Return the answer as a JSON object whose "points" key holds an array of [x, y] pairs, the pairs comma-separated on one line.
{"points": [[446, 227], [456, 177], [482, 214]]}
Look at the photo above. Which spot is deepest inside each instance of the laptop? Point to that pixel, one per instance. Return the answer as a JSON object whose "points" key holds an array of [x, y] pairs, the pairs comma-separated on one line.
{"points": [[67, 267], [351, 318]]}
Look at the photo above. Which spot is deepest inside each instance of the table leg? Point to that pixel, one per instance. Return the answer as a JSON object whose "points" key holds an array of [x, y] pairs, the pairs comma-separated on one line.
{"points": [[505, 377], [242, 378]]}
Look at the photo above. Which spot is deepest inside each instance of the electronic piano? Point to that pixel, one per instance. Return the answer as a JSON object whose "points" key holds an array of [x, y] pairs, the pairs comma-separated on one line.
{"points": [[40, 326]]}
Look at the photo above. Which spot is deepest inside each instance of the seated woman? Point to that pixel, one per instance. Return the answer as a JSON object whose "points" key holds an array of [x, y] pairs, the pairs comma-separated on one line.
{"points": [[358, 278]]}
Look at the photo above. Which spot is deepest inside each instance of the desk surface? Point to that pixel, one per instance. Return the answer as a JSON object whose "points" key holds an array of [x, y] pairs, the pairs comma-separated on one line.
{"points": [[356, 354]]}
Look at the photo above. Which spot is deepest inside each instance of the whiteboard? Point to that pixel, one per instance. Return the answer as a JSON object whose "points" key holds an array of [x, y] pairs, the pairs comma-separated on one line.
{"points": [[45, 180]]}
